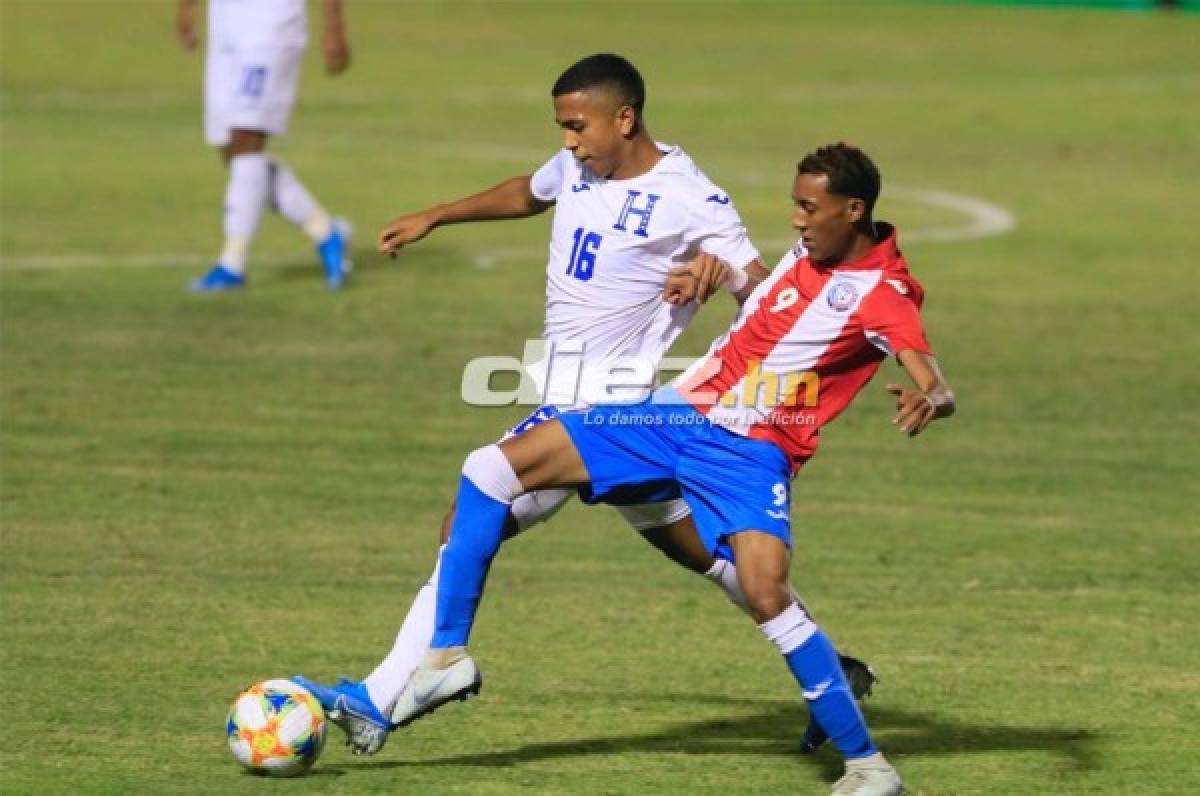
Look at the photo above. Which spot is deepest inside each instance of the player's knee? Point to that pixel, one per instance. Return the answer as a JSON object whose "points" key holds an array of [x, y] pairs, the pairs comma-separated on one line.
{"points": [[245, 142], [492, 474], [766, 597]]}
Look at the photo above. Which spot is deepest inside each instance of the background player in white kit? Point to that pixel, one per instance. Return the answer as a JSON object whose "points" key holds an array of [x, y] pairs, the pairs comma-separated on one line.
{"points": [[251, 74], [629, 214]]}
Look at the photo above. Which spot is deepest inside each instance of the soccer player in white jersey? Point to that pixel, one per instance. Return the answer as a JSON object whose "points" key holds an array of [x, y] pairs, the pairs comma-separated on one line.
{"points": [[629, 212], [731, 432], [251, 75]]}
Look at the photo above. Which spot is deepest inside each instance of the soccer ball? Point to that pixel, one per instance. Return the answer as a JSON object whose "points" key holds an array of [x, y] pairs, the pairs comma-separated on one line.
{"points": [[276, 728]]}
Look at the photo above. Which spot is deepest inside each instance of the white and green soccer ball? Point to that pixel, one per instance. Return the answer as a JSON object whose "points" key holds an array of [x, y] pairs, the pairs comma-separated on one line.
{"points": [[276, 728]]}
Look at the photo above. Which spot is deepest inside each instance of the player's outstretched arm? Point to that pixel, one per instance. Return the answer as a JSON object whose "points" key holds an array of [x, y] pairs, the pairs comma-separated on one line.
{"points": [[335, 43], [185, 25], [510, 199], [933, 398]]}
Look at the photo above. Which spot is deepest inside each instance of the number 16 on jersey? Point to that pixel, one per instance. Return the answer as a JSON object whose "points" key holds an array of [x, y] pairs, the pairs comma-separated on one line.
{"points": [[583, 254]]}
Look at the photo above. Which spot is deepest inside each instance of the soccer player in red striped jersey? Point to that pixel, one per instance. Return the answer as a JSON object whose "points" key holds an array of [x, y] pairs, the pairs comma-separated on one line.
{"points": [[814, 333], [730, 432]]}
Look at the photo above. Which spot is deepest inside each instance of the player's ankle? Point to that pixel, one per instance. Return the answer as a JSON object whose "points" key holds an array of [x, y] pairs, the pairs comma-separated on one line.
{"points": [[875, 760], [443, 658]]}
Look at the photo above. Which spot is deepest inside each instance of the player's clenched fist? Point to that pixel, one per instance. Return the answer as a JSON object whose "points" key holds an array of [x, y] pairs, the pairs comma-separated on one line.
{"points": [[403, 230]]}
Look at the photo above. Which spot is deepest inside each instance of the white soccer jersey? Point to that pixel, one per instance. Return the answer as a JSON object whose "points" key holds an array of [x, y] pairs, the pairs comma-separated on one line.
{"points": [[275, 23], [612, 244]]}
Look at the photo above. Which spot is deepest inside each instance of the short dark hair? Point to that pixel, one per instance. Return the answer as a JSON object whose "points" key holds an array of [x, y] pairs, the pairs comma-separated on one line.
{"points": [[850, 172], [608, 70]]}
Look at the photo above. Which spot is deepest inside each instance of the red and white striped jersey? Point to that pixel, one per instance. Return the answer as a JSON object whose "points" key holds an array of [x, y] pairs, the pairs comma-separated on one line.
{"points": [[804, 343]]}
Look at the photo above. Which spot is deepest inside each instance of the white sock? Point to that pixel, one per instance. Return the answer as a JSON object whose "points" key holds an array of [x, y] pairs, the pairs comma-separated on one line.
{"points": [[292, 200], [492, 474], [724, 574], [233, 254], [385, 683], [790, 629], [245, 197]]}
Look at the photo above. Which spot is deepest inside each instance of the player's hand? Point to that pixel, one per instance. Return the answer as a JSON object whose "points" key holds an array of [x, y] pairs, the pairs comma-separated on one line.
{"points": [[337, 52], [707, 274], [914, 409], [681, 286], [711, 273], [404, 230], [185, 26]]}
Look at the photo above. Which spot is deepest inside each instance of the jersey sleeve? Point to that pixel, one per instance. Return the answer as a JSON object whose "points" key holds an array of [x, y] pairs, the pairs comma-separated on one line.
{"points": [[547, 182], [716, 228], [891, 319]]}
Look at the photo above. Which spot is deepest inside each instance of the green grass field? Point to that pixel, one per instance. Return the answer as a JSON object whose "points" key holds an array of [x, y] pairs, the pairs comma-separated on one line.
{"points": [[199, 492]]}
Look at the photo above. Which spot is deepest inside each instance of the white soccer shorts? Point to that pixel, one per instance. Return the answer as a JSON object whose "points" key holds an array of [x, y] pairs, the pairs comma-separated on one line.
{"points": [[647, 516], [249, 88], [534, 507]]}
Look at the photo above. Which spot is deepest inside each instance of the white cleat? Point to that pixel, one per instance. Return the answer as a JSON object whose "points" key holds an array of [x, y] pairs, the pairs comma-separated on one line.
{"points": [[870, 776], [428, 689]]}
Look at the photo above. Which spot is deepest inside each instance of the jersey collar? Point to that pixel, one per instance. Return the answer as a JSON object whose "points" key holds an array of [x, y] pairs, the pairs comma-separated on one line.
{"points": [[882, 256]]}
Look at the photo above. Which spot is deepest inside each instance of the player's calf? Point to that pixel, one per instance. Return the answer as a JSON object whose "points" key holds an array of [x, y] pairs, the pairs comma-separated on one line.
{"points": [[861, 678]]}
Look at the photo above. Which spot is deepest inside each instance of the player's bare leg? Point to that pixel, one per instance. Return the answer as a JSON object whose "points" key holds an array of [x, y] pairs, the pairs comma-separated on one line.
{"points": [[680, 542], [542, 457], [762, 562], [361, 709], [243, 142]]}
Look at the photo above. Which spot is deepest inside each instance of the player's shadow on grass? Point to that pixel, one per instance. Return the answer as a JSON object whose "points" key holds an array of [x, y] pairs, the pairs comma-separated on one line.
{"points": [[774, 729]]}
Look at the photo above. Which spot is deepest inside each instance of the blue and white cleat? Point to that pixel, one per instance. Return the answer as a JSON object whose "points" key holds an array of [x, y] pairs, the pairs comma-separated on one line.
{"points": [[349, 706], [334, 253], [861, 678], [428, 689], [219, 278]]}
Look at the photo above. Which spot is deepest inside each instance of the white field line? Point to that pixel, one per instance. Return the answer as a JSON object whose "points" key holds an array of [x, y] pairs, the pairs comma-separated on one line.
{"points": [[536, 95], [981, 219]]}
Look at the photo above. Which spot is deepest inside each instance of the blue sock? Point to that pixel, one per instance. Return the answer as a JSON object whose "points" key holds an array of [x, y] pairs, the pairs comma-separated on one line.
{"points": [[475, 537], [815, 664]]}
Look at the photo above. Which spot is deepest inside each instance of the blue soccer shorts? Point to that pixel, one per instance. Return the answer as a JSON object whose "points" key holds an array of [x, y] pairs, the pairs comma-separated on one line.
{"points": [[732, 483], [644, 508]]}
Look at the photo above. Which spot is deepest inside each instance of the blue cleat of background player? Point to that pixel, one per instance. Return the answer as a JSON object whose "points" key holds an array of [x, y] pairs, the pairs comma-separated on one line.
{"points": [[349, 706], [219, 278], [333, 253]]}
